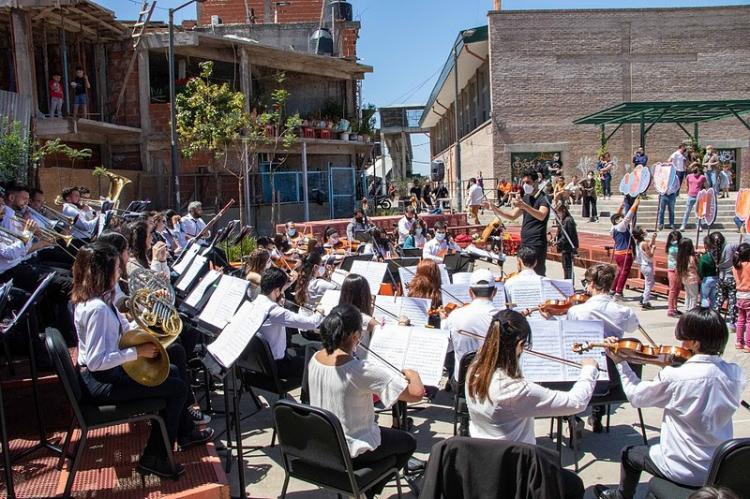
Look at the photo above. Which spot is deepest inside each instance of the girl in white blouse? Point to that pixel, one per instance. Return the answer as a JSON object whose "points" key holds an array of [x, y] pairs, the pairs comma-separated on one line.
{"points": [[311, 283], [142, 254], [344, 385], [502, 404]]}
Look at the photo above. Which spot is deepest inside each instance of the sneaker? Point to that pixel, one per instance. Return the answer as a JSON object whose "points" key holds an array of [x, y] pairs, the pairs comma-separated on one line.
{"points": [[618, 296], [197, 437], [661, 227], [647, 306], [682, 227], [576, 426], [198, 417], [596, 424], [602, 492], [150, 465], [746, 349]]}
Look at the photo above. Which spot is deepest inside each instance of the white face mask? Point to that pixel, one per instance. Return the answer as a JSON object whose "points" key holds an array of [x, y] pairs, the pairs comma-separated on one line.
{"points": [[291, 232], [320, 271], [528, 188], [417, 231], [268, 264], [439, 236]]}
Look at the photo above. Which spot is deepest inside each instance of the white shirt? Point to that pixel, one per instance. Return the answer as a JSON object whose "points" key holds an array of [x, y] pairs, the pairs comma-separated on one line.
{"points": [[273, 329], [346, 391], [433, 248], [572, 187], [41, 221], [316, 288], [512, 404], [12, 252], [476, 318], [404, 227], [99, 327], [191, 227], [678, 160], [83, 228], [8, 222], [699, 399], [620, 319], [474, 197], [525, 278]]}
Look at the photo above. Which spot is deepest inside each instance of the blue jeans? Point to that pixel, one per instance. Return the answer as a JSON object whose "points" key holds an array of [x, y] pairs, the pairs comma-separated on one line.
{"points": [[666, 202], [712, 178], [689, 204], [681, 176], [607, 185], [709, 290]]}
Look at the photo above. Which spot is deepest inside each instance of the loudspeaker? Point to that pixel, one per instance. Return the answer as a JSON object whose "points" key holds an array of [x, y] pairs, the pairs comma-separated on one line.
{"points": [[437, 169]]}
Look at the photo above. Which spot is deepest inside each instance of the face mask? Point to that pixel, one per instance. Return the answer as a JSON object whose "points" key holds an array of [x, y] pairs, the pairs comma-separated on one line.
{"points": [[417, 231], [320, 271], [439, 236], [359, 220], [268, 264], [528, 189], [291, 232], [334, 241]]}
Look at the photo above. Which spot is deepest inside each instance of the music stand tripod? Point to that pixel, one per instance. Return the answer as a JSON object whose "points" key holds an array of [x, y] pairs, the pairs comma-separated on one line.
{"points": [[10, 489]]}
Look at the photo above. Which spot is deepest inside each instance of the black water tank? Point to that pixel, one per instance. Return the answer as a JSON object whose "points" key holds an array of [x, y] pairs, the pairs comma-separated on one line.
{"points": [[321, 42], [342, 10]]}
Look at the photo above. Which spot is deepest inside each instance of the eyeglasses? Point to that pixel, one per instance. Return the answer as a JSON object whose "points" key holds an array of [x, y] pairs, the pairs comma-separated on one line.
{"points": [[584, 282]]}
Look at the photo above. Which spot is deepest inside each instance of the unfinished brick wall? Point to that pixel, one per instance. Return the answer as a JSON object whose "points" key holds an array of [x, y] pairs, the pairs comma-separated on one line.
{"points": [[238, 11], [549, 68]]}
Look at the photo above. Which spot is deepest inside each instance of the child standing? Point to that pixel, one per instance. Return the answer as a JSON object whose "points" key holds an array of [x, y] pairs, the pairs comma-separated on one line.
{"points": [[741, 272], [725, 180], [645, 259], [708, 272], [673, 240], [56, 96], [687, 272], [624, 248]]}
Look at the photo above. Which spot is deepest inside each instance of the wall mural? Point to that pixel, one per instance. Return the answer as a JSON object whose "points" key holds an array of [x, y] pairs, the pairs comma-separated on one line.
{"points": [[540, 161]]}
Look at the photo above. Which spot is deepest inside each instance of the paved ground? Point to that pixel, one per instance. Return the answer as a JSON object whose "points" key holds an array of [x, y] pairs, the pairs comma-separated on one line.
{"points": [[599, 461]]}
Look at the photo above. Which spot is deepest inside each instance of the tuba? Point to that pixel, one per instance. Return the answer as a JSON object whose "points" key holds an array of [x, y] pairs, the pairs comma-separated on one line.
{"points": [[152, 305], [116, 183]]}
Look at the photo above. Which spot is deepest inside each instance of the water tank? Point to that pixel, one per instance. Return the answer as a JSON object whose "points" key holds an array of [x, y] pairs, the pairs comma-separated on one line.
{"points": [[341, 10], [321, 42]]}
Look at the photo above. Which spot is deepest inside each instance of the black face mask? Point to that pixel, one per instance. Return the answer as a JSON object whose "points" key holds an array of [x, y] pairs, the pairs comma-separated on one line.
{"points": [[359, 219]]}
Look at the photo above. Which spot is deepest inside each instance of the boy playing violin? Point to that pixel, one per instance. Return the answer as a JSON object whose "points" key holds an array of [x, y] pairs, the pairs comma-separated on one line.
{"points": [[698, 398]]}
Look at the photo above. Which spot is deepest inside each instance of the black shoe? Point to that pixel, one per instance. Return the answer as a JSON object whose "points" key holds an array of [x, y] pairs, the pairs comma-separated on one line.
{"points": [[647, 306], [596, 424], [150, 465], [602, 492], [575, 426], [414, 465], [197, 437]]}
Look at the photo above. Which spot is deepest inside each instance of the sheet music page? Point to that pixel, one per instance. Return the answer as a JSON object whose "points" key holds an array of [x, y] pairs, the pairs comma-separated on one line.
{"points": [[237, 334], [462, 278], [180, 266], [338, 276], [187, 278], [459, 291], [525, 293], [425, 354], [546, 337], [384, 305], [556, 289], [373, 272], [390, 342], [581, 332], [224, 302], [329, 300], [197, 293], [444, 277], [500, 299], [406, 274], [416, 309]]}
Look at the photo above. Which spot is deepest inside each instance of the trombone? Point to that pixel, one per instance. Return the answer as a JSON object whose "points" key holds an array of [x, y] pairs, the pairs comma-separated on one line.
{"points": [[48, 235], [69, 221], [24, 237]]}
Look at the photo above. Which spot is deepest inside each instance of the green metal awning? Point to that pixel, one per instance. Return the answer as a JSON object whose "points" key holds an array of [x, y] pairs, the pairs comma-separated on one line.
{"points": [[667, 112]]}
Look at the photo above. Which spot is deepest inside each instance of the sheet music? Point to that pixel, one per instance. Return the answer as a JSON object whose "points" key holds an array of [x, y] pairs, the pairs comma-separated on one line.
{"points": [[329, 300], [187, 278], [500, 299], [525, 293], [406, 274], [186, 258], [390, 342], [237, 334], [462, 278], [416, 309], [224, 302], [338, 276], [373, 272], [426, 354], [460, 292], [581, 332], [197, 293], [556, 289], [546, 337], [387, 305]]}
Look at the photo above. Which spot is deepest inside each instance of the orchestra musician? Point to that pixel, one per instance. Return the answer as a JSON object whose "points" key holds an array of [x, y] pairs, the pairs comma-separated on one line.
{"points": [[28, 204], [258, 261], [99, 326], [533, 206], [526, 258], [437, 247], [290, 234], [192, 224], [617, 320], [405, 224], [341, 383], [356, 225], [699, 399], [311, 283], [84, 227], [416, 237], [503, 404], [142, 254], [162, 233], [427, 283]]}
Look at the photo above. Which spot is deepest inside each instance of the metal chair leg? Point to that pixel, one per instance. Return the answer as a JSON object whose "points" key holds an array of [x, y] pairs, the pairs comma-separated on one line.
{"points": [[76, 462], [66, 444], [165, 437], [643, 426], [286, 484], [609, 413], [398, 484]]}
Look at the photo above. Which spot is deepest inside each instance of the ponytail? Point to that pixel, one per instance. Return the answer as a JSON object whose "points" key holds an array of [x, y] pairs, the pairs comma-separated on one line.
{"points": [[343, 322], [308, 265]]}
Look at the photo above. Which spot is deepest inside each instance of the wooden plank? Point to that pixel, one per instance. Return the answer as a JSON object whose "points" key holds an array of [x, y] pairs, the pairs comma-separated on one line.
{"points": [[112, 27]]}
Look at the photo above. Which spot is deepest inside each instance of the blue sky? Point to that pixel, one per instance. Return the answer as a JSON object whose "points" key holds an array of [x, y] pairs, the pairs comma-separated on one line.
{"points": [[407, 41]]}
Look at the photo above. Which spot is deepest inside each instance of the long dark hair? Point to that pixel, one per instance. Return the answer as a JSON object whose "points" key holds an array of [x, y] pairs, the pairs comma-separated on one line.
{"points": [[685, 250], [507, 329], [342, 323], [427, 282], [356, 291], [674, 237], [304, 277], [138, 236], [256, 262], [715, 246], [706, 326], [741, 255], [93, 271]]}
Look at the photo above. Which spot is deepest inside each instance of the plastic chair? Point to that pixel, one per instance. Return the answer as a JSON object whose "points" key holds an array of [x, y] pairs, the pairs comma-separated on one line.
{"points": [[325, 133], [313, 449], [459, 391], [91, 415], [728, 469], [259, 371], [309, 133]]}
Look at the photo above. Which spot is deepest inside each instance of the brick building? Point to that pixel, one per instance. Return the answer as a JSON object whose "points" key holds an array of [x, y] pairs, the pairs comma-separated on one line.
{"points": [[548, 68]]}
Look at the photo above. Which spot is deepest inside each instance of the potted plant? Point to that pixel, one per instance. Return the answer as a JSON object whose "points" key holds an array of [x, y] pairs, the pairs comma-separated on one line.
{"points": [[367, 126]]}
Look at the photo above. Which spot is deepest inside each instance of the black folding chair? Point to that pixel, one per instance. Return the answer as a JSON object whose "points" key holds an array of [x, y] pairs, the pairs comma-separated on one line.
{"points": [[259, 370], [91, 415], [728, 469], [460, 410], [314, 449]]}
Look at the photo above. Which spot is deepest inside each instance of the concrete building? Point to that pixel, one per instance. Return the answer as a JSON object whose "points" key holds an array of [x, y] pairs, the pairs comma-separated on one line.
{"points": [[549, 68]]}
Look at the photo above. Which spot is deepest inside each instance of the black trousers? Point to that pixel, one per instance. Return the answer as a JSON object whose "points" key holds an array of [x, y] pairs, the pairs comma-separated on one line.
{"points": [[392, 443], [572, 484], [113, 385], [589, 208], [55, 256], [567, 264], [635, 460], [541, 258]]}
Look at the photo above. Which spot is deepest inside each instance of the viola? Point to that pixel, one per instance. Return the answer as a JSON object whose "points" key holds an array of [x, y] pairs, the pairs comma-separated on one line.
{"points": [[636, 352], [558, 307], [445, 309]]}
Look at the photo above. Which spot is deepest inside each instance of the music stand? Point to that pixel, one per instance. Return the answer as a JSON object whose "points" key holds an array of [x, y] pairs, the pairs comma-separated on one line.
{"points": [[11, 491], [30, 320], [348, 261]]}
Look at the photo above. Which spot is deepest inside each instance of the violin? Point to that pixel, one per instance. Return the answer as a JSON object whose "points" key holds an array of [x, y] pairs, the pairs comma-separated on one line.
{"points": [[445, 309], [558, 307], [505, 277], [636, 352]]}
